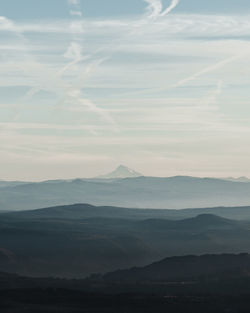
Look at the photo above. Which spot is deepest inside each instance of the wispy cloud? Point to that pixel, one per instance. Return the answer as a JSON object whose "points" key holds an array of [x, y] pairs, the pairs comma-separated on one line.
{"points": [[155, 8], [76, 13], [73, 2], [177, 26], [6, 24], [74, 52], [115, 82], [212, 97], [75, 9]]}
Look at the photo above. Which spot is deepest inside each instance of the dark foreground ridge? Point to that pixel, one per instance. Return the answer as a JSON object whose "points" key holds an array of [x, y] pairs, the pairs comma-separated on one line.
{"points": [[208, 283], [78, 240], [187, 268]]}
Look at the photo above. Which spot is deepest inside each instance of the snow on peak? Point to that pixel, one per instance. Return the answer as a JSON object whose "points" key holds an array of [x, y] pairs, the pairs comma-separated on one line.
{"points": [[121, 172]]}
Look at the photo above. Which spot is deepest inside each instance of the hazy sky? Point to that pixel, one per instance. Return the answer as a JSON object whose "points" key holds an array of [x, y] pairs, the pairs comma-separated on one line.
{"points": [[160, 86]]}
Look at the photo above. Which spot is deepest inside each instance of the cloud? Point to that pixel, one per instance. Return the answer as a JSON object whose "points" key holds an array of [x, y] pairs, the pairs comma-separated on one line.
{"points": [[76, 13], [6, 24], [210, 100], [154, 8], [74, 51], [73, 2], [176, 26], [75, 9]]}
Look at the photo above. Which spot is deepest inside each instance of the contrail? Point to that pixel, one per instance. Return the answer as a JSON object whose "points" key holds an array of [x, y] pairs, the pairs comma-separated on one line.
{"points": [[75, 8], [155, 8], [209, 69], [173, 4], [76, 95], [213, 95], [10, 25], [74, 52], [182, 82], [73, 2]]}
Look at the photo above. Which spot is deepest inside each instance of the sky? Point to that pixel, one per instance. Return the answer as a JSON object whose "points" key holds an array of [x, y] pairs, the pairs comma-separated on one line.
{"points": [[159, 86]]}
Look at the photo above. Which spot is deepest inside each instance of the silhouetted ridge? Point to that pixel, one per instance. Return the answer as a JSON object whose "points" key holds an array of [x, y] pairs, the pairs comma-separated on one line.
{"points": [[102, 239], [200, 221], [208, 219], [185, 268]]}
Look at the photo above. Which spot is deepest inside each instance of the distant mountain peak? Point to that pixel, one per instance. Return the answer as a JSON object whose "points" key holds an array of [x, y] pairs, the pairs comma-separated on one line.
{"points": [[121, 171], [242, 179]]}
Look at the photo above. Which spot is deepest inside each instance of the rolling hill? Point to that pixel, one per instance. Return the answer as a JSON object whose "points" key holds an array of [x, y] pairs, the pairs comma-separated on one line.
{"points": [[78, 240], [185, 269]]}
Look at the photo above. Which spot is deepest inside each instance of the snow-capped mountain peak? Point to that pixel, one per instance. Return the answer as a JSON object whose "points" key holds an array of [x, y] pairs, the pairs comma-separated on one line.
{"points": [[121, 172]]}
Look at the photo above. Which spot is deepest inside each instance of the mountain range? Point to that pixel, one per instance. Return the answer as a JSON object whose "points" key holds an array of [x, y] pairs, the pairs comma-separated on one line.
{"points": [[137, 192], [76, 241], [186, 268], [242, 179]]}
